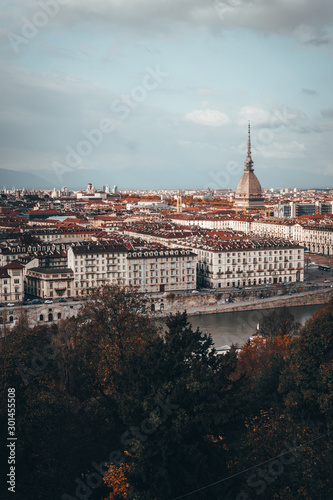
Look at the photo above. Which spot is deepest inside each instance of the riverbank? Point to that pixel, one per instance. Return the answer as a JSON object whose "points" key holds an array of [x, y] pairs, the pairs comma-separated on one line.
{"points": [[206, 304], [203, 302]]}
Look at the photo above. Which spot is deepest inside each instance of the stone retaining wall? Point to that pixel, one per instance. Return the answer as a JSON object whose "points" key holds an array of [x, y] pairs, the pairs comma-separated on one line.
{"points": [[201, 303], [208, 304]]}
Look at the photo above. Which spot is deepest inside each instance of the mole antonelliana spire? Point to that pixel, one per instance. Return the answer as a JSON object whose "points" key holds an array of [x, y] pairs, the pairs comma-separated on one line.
{"points": [[248, 193], [248, 161]]}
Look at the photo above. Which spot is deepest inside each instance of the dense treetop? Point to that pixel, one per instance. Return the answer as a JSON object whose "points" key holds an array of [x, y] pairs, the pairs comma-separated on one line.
{"points": [[109, 405]]}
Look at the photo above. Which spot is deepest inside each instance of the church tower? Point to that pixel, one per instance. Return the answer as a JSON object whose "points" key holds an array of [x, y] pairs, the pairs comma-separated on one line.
{"points": [[248, 193], [179, 203]]}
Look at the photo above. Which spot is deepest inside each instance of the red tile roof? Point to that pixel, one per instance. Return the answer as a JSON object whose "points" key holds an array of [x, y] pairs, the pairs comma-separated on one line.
{"points": [[14, 265]]}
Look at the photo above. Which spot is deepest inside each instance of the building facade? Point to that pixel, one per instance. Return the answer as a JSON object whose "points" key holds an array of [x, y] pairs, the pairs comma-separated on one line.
{"points": [[148, 268], [50, 283], [249, 263], [11, 283], [161, 270], [96, 264]]}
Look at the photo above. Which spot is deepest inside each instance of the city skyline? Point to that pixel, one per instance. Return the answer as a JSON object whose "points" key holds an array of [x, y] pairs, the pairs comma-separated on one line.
{"points": [[158, 96]]}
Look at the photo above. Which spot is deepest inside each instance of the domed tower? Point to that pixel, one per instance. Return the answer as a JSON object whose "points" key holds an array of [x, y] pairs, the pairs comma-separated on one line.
{"points": [[248, 193]]}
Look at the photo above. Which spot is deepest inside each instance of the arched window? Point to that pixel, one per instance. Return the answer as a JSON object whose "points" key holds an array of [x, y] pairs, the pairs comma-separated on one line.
{"points": [[41, 318]]}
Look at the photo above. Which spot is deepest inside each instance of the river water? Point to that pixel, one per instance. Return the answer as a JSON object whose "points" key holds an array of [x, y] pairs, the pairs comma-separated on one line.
{"points": [[237, 327]]}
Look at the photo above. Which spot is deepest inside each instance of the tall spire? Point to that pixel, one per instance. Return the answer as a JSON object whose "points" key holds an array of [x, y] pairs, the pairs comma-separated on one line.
{"points": [[248, 161]]}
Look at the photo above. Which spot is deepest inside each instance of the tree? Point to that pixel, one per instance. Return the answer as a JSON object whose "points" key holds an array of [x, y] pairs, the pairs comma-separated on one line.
{"points": [[46, 421], [176, 406], [306, 382], [280, 322], [111, 326], [283, 459]]}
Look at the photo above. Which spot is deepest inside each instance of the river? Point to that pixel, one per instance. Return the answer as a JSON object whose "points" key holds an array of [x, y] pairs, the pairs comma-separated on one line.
{"points": [[237, 327]]}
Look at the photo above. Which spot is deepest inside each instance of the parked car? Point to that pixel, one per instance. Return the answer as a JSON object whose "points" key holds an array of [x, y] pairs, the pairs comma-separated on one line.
{"points": [[10, 304], [48, 301], [36, 301]]}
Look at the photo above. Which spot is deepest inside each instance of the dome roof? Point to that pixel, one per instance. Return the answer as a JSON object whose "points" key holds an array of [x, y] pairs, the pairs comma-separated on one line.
{"points": [[248, 185]]}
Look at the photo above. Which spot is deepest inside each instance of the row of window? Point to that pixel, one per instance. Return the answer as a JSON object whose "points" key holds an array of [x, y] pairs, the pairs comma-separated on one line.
{"points": [[259, 281]]}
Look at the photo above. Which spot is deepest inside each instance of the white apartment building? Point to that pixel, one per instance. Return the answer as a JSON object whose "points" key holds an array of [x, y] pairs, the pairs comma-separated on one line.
{"points": [[11, 283], [148, 268], [314, 237], [250, 263], [162, 269], [50, 283], [95, 264]]}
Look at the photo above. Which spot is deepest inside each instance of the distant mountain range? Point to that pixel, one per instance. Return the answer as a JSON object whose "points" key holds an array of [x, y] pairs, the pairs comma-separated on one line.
{"points": [[10, 178]]}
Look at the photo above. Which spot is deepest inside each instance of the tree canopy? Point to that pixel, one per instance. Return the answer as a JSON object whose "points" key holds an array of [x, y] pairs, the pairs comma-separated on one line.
{"points": [[109, 405]]}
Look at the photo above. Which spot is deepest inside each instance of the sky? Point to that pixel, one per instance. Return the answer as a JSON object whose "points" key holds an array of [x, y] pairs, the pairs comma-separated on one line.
{"points": [[152, 94]]}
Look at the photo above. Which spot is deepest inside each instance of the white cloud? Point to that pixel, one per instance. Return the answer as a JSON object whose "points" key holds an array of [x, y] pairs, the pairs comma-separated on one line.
{"points": [[276, 117], [256, 116], [291, 149], [208, 117]]}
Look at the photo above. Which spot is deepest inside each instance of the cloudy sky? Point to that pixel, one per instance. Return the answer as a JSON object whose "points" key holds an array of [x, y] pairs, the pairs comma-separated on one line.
{"points": [[158, 93]]}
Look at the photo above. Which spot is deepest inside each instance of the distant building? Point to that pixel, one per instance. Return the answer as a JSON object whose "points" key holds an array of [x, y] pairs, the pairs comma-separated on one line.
{"points": [[294, 209], [248, 193], [179, 203]]}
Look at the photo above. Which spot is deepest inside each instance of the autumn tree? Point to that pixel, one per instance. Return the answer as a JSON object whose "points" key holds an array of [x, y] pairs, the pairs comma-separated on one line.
{"points": [[112, 325], [176, 408], [306, 382], [281, 460]]}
